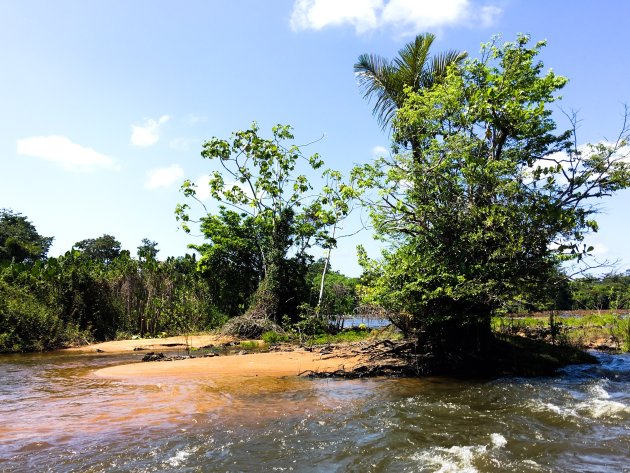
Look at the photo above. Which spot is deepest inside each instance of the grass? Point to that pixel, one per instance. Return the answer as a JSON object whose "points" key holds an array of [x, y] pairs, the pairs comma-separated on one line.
{"points": [[583, 331], [342, 337], [357, 335], [249, 344]]}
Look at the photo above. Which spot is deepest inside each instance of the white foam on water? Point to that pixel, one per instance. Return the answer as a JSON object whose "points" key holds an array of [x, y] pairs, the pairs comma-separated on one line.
{"points": [[451, 460], [498, 440], [565, 412], [598, 408], [600, 405], [597, 390], [179, 457], [457, 458]]}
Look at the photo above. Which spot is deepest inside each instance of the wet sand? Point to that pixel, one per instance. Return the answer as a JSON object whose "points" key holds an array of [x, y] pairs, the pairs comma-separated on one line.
{"points": [[119, 346], [282, 363]]}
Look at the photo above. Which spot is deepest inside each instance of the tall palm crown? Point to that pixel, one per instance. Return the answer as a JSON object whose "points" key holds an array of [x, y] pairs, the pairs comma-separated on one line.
{"points": [[386, 80]]}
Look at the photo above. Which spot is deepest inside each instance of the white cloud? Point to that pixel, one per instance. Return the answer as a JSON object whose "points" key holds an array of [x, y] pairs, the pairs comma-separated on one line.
{"points": [[424, 14], [404, 16], [192, 120], [488, 15], [202, 188], [163, 177], [147, 134], [379, 151], [317, 14], [183, 144], [60, 150]]}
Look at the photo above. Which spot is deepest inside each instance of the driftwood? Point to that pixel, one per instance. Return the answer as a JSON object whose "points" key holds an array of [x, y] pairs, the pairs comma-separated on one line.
{"points": [[250, 326], [405, 349], [381, 358], [364, 371]]}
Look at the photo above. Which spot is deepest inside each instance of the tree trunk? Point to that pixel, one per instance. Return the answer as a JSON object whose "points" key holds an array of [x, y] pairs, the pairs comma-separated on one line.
{"points": [[473, 336], [325, 270]]}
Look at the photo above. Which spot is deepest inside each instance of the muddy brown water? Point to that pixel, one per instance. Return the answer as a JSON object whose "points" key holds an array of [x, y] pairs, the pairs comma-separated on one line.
{"points": [[55, 415]]}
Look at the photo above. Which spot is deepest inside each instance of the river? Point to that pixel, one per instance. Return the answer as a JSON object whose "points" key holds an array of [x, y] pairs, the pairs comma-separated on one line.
{"points": [[55, 415]]}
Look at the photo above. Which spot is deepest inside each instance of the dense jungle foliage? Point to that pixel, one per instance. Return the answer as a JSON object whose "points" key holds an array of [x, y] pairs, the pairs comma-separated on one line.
{"points": [[97, 291]]}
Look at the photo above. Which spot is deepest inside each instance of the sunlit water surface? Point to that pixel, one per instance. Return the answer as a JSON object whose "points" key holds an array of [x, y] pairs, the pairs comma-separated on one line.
{"points": [[55, 415]]}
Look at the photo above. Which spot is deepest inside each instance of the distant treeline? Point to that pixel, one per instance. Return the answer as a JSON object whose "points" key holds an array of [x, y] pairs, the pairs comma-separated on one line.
{"points": [[98, 291], [605, 292], [609, 292]]}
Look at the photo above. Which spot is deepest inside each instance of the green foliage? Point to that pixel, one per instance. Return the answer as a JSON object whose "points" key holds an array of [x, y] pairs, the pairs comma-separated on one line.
{"points": [[414, 68], [339, 296], [624, 334], [578, 330], [273, 338], [29, 324], [104, 248], [490, 198], [148, 250], [610, 292], [345, 336], [274, 218], [101, 292], [310, 322], [19, 240], [232, 262]]}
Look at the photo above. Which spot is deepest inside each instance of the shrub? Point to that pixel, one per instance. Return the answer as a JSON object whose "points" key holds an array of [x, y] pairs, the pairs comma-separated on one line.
{"points": [[272, 338], [28, 324]]}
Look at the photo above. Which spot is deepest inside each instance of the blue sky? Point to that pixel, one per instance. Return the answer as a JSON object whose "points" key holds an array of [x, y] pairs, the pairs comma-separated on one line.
{"points": [[105, 104]]}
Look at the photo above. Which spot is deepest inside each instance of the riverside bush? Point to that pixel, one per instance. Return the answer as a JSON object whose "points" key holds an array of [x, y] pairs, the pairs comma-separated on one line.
{"points": [[272, 338], [27, 324]]}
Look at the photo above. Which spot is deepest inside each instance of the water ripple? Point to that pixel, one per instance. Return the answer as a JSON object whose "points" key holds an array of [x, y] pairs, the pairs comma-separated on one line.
{"points": [[57, 417]]}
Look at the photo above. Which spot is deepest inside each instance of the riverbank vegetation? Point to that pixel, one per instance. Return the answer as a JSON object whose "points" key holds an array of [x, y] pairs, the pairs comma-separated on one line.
{"points": [[481, 204], [97, 291]]}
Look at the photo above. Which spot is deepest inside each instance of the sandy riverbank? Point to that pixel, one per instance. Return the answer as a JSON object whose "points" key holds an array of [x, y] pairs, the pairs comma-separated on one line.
{"points": [[156, 344], [281, 363], [508, 356]]}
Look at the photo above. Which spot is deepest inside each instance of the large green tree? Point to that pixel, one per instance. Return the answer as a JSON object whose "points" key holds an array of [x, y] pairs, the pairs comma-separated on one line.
{"points": [[492, 200], [104, 248], [19, 240], [275, 215], [231, 259]]}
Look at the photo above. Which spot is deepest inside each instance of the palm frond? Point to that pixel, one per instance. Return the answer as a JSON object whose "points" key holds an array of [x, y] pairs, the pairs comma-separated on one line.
{"points": [[412, 58], [440, 64], [375, 77], [386, 80]]}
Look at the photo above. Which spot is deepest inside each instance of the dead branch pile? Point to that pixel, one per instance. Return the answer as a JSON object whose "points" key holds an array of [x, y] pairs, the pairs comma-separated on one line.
{"points": [[250, 326]]}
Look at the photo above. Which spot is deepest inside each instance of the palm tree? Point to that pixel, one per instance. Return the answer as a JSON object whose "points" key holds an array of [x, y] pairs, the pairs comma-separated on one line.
{"points": [[386, 80]]}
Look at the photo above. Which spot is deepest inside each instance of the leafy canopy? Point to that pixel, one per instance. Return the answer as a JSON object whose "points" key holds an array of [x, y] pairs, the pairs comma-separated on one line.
{"points": [[493, 197], [19, 240], [104, 248], [269, 212]]}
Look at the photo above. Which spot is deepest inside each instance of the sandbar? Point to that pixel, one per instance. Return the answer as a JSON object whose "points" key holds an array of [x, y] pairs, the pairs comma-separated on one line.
{"points": [[277, 364], [178, 342]]}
